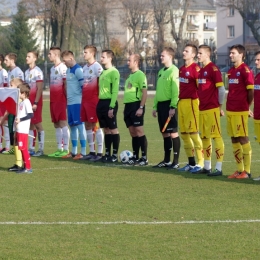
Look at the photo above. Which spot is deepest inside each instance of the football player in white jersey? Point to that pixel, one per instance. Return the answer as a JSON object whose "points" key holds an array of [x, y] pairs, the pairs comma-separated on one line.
{"points": [[4, 131], [91, 72], [34, 77], [13, 72], [58, 102]]}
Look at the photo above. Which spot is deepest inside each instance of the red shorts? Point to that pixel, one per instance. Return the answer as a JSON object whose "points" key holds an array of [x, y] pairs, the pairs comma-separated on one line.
{"points": [[37, 115], [22, 140], [2, 110], [88, 112], [58, 111]]}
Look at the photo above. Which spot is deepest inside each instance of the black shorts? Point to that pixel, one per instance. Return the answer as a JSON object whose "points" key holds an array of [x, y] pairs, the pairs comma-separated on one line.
{"points": [[102, 114], [163, 114], [129, 114]]}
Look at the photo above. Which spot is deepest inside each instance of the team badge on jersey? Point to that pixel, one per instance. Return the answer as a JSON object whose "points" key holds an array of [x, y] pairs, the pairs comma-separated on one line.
{"points": [[187, 73], [12, 76], [56, 72], [129, 85], [205, 73], [90, 72], [238, 73], [30, 75]]}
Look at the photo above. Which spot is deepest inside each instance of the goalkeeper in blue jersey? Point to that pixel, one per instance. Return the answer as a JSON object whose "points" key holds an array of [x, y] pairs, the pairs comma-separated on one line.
{"points": [[74, 80]]}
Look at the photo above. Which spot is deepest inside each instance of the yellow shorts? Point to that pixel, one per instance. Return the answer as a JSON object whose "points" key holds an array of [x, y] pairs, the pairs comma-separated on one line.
{"points": [[257, 130], [209, 125], [237, 123], [188, 115]]}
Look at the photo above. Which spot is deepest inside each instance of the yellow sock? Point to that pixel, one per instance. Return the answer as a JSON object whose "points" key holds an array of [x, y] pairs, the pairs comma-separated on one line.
{"points": [[18, 156], [238, 154], [219, 149], [188, 145], [207, 148], [247, 152], [198, 148]]}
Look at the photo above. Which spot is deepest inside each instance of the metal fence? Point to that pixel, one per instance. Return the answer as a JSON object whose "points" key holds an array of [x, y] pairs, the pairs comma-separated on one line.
{"points": [[150, 67]]}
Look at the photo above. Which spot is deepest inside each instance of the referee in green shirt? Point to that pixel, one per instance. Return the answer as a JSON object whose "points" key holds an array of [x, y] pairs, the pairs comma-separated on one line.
{"points": [[135, 95], [107, 105], [165, 105]]}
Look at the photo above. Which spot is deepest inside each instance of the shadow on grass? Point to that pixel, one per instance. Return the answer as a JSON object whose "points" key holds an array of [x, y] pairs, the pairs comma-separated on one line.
{"points": [[147, 168], [188, 175]]}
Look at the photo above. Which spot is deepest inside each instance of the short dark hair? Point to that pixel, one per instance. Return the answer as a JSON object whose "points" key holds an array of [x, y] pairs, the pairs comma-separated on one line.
{"points": [[92, 48], [193, 47], [240, 48], [12, 56], [170, 51], [256, 53], [55, 48], [67, 53], [2, 58], [205, 47], [35, 53], [109, 53], [24, 88]]}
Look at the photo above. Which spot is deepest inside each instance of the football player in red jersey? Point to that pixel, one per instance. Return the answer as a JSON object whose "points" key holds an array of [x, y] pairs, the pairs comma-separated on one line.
{"points": [[239, 99], [34, 77], [211, 94], [188, 109]]}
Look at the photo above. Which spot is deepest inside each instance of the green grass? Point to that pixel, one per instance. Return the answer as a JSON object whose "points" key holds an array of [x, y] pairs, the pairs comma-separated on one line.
{"points": [[77, 191]]}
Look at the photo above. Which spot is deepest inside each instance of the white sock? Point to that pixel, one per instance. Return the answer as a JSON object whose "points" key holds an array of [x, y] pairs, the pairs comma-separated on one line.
{"points": [[207, 165], [65, 137], [7, 137], [219, 166], [90, 139], [41, 138], [100, 140], [1, 138], [31, 147], [59, 137]]}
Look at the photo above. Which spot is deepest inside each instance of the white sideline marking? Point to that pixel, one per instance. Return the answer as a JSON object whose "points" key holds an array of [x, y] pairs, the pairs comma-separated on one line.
{"points": [[132, 222]]}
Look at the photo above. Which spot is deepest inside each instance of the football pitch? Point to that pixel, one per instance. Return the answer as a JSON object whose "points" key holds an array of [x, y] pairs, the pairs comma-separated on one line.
{"points": [[79, 210]]}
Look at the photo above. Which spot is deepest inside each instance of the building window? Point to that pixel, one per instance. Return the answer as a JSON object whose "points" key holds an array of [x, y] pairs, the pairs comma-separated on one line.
{"points": [[231, 31], [231, 11]]}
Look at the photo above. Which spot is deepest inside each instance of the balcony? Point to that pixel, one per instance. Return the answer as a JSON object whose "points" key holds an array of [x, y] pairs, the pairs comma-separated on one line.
{"points": [[209, 26], [192, 27]]}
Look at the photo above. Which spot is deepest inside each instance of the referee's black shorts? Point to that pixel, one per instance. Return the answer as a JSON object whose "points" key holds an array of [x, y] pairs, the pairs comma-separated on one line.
{"points": [[102, 114], [129, 114], [163, 114]]}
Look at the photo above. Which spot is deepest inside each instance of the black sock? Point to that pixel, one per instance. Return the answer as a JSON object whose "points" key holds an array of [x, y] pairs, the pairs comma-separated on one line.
{"points": [[143, 145], [135, 145], [192, 161], [108, 142], [115, 141], [176, 145], [11, 138], [167, 148]]}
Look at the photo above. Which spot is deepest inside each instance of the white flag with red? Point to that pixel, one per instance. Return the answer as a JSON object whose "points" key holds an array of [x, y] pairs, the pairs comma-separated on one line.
{"points": [[9, 97]]}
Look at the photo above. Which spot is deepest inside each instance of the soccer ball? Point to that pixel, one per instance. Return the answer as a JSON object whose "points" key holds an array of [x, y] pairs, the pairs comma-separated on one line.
{"points": [[125, 155]]}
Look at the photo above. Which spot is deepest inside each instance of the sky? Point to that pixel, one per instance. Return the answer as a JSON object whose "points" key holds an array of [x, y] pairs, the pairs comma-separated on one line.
{"points": [[8, 7]]}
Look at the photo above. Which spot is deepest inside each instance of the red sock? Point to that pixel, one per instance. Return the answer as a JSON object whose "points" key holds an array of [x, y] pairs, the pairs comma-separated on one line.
{"points": [[26, 159]]}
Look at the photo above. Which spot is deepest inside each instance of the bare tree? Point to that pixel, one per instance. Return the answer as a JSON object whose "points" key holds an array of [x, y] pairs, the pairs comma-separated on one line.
{"points": [[179, 12], [92, 27], [162, 17], [249, 11], [137, 17]]}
